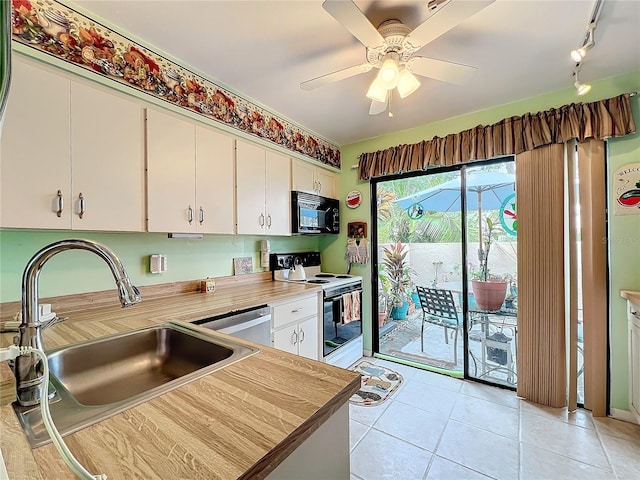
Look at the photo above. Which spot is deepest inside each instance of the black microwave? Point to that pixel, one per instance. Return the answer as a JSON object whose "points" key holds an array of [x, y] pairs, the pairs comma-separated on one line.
{"points": [[313, 214]]}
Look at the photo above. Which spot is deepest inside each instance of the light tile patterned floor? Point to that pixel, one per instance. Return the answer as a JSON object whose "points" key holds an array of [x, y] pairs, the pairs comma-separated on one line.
{"points": [[437, 427]]}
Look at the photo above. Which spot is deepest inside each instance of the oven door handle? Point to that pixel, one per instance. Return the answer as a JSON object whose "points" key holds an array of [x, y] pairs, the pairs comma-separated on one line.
{"points": [[334, 297]]}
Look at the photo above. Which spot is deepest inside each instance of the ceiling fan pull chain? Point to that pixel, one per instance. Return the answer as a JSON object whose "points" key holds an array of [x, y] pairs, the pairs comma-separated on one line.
{"points": [[389, 97]]}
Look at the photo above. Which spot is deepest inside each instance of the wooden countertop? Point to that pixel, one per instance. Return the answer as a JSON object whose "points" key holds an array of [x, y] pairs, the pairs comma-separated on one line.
{"points": [[632, 296], [238, 422]]}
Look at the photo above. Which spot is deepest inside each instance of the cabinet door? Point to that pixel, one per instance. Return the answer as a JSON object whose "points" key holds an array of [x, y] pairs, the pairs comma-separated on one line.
{"points": [[107, 161], [308, 338], [286, 339], [215, 205], [278, 194], [250, 188], [35, 160], [328, 183], [304, 178], [171, 173]]}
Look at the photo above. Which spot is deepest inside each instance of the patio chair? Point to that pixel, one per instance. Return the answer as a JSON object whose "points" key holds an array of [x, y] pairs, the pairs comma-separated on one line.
{"points": [[439, 308]]}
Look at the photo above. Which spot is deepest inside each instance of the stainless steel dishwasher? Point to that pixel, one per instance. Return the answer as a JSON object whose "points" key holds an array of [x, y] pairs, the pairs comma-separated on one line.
{"points": [[253, 324]]}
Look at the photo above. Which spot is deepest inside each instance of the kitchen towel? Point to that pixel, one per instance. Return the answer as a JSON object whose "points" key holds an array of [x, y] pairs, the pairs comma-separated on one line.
{"points": [[347, 310], [350, 307], [355, 306]]}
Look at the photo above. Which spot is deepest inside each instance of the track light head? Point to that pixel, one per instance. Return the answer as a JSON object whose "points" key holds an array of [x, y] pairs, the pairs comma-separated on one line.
{"points": [[582, 88], [578, 54]]}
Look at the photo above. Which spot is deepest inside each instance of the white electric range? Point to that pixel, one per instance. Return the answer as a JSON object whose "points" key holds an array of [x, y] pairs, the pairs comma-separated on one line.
{"points": [[342, 303]]}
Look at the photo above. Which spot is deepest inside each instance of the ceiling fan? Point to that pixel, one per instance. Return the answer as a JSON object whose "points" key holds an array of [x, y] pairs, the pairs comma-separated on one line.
{"points": [[391, 46]]}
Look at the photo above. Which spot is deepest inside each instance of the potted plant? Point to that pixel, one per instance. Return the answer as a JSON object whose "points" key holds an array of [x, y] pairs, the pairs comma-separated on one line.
{"points": [[489, 291], [398, 272]]}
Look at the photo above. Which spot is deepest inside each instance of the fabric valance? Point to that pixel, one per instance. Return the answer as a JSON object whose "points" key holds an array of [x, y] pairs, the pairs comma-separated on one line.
{"points": [[598, 120]]}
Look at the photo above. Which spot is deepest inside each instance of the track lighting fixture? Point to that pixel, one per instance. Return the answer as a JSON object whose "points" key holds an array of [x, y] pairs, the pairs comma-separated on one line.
{"points": [[582, 88], [579, 53]]}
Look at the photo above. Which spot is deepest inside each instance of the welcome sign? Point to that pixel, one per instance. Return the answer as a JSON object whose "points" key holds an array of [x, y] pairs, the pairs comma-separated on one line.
{"points": [[626, 189]]}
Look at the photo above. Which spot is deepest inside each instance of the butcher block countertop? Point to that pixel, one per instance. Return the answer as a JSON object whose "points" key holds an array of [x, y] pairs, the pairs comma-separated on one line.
{"points": [[632, 296], [239, 422]]}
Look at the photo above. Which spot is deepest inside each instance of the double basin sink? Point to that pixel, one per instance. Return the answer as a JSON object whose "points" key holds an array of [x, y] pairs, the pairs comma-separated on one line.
{"points": [[97, 379]]}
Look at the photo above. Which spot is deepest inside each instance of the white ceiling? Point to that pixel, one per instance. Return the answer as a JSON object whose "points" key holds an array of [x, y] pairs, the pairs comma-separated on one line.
{"points": [[263, 50]]}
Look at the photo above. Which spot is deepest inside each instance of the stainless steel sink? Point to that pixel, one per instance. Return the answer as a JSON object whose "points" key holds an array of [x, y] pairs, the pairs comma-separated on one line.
{"points": [[100, 378]]}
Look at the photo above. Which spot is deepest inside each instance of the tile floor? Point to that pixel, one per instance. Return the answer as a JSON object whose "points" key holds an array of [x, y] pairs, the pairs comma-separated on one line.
{"points": [[437, 427]]}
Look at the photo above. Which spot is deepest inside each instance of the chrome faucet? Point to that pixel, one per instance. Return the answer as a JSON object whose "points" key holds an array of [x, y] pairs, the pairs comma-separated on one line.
{"points": [[28, 368]]}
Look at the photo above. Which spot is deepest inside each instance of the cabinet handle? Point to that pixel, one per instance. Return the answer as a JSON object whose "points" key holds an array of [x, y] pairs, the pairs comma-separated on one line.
{"points": [[315, 185], [294, 337], [319, 187], [60, 203], [296, 310], [81, 204], [201, 215], [261, 222], [301, 335], [190, 214], [269, 221]]}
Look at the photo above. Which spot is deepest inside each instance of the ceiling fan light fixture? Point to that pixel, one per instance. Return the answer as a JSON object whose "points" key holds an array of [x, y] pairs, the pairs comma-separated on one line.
{"points": [[407, 83], [389, 71], [377, 91]]}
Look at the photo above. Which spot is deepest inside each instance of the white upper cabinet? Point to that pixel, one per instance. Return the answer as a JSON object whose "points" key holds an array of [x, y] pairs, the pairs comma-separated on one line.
{"points": [[313, 179], [214, 181], [71, 156], [189, 176], [171, 173], [107, 161], [263, 183], [35, 155]]}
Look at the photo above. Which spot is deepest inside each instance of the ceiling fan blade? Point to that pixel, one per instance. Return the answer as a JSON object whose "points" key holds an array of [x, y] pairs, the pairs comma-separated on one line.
{"points": [[335, 76], [441, 70], [349, 15], [378, 107], [444, 19]]}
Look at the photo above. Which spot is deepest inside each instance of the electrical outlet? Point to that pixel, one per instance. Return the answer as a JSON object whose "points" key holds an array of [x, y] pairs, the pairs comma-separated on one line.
{"points": [[158, 263]]}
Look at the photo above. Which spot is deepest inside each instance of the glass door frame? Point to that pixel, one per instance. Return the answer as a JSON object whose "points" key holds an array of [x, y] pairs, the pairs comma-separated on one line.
{"points": [[375, 261]]}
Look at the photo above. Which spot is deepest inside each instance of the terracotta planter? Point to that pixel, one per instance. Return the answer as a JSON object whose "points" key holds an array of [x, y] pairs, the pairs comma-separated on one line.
{"points": [[381, 318], [489, 295]]}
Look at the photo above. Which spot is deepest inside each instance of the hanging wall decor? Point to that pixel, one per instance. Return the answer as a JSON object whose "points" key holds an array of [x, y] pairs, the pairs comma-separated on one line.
{"points": [[353, 199], [626, 188], [51, 27]]}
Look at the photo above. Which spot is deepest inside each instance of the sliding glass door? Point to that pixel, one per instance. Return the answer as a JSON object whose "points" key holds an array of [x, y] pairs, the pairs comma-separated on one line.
{"points": [[437, 236]]}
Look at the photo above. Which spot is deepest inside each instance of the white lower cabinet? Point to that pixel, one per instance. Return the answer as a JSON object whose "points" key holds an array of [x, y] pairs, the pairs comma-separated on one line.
{"points": [[295, 326]]}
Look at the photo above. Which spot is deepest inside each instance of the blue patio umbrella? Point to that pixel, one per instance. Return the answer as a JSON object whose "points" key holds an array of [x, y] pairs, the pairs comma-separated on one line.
{"points": [[490, 188]]}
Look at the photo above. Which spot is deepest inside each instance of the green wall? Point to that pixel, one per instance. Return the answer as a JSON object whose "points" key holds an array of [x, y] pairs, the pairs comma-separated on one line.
{"points": [[80, 271], [624, 231]]}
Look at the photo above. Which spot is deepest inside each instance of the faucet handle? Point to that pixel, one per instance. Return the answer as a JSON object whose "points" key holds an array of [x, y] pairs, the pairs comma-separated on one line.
{"points": [[128, 293]]}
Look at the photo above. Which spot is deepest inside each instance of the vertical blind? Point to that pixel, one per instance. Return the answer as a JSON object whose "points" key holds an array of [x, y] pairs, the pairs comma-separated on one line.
{"points": [[541, 293], [591, 172]]}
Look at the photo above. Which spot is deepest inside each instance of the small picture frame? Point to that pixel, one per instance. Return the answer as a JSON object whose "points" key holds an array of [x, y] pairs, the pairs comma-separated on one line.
{"points": [[357, 229], [242, 265]]}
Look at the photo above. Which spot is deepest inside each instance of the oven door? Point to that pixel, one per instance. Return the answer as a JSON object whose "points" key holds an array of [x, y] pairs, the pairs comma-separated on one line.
{"points": [[341, 325]]}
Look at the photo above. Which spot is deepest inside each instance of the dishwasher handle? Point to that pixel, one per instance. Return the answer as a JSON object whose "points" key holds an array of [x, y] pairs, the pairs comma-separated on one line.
{"points": [[240, 325]]}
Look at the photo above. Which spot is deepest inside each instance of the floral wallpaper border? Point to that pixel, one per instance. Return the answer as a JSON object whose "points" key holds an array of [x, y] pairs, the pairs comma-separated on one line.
{"points": [[58, 30]]}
